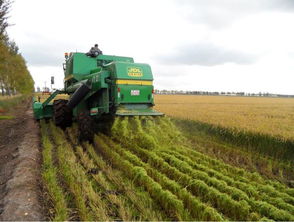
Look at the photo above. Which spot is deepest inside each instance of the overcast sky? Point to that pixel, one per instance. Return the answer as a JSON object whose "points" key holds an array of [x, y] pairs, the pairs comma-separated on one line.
{"points": [[213, 45]]}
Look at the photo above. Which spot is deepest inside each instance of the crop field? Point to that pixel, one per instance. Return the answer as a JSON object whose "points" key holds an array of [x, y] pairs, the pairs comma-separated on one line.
{"points": [[146, 169], [249, 132], [270, 116], [42, 97]]}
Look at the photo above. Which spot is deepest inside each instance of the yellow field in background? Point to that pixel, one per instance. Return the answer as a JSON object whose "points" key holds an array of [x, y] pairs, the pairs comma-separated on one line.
{"points": [[45, 96], [274, 116]]}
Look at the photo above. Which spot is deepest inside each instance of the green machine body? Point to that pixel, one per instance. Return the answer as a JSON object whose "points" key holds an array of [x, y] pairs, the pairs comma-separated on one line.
{"points": [[100, 86]]}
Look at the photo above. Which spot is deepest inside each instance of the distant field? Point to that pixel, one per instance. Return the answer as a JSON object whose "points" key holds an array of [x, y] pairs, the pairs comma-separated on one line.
{"points": [[43, 97], [273, 116]]}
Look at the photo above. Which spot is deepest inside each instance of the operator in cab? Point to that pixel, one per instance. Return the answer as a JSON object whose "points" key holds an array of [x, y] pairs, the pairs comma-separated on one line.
{"points": [[94, 51]]}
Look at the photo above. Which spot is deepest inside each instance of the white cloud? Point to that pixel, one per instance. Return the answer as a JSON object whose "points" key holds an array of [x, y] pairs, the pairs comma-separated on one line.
{"points": [[205, 54], [147, 29]]}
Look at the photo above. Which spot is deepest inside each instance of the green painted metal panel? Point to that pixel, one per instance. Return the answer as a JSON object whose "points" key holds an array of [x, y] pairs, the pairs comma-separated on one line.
{"points": [[98, 80], [112, 58], [41, 112], [135, 94], [37, 108], [79, 64], [83, 64], [135, 71]]}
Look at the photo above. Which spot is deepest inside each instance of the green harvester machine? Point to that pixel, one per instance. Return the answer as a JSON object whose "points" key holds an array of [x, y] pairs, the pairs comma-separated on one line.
{"points": [[99, 89]]}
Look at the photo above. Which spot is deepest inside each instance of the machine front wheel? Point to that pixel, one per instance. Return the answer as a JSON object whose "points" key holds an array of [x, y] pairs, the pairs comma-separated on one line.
{"points": [[62, 114]]}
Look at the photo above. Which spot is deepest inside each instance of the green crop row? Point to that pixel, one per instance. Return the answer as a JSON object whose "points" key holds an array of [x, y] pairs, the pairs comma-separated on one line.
{"points": [[88, 202], [203, 166], [172, 139], [169, 202], [141, 200], [175, 139], [248, 188], [260, 185], [49, 175], [165, 125], [237, 155], [117, 204], [223, 202], [170, 127], [222, 186], [237, 173], [197, 209], [121, 129], [145, 169]]}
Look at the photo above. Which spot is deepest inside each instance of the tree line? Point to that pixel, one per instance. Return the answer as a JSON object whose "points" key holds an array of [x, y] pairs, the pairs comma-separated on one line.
{"points": [[14, 75], [207, 93]]}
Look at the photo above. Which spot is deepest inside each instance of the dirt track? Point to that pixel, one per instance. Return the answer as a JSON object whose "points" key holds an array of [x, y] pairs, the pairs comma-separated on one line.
{"points": [[20, 167]]}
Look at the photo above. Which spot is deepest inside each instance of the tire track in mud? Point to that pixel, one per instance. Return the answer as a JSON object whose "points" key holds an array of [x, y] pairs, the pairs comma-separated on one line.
{"points": [[21, 195]]}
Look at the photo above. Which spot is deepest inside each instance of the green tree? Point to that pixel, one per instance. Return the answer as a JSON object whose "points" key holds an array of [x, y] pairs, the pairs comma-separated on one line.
{"points": [[14, 75]]}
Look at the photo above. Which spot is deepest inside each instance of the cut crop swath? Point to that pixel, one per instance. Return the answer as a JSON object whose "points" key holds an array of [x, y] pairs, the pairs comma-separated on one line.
{"points": [[49, 175], [173, 207], [197, 209], [88, 202]]}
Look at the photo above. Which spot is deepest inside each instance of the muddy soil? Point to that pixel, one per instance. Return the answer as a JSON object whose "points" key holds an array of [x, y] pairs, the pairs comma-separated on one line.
{"points": [[20, 160]]}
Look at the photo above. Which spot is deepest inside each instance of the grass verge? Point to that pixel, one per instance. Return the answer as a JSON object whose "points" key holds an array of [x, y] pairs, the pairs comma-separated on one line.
{"points": [[8, 103], [6, 117]]}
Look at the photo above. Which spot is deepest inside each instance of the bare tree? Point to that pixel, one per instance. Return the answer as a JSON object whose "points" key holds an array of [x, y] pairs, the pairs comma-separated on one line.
{"points": [[4, 10]]}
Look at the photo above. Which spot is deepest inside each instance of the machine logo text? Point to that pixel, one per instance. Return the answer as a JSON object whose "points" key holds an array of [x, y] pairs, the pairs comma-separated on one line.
{"points": [[135, 72]]}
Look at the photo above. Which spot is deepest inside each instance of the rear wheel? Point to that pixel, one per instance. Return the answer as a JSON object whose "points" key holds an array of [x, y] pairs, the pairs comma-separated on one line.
{"points": [[86, 127], [62, 114]]}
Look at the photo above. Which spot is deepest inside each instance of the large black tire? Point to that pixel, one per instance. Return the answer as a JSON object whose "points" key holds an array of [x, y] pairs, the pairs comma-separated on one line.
{"points": [[62, 114], [86, 127]]}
